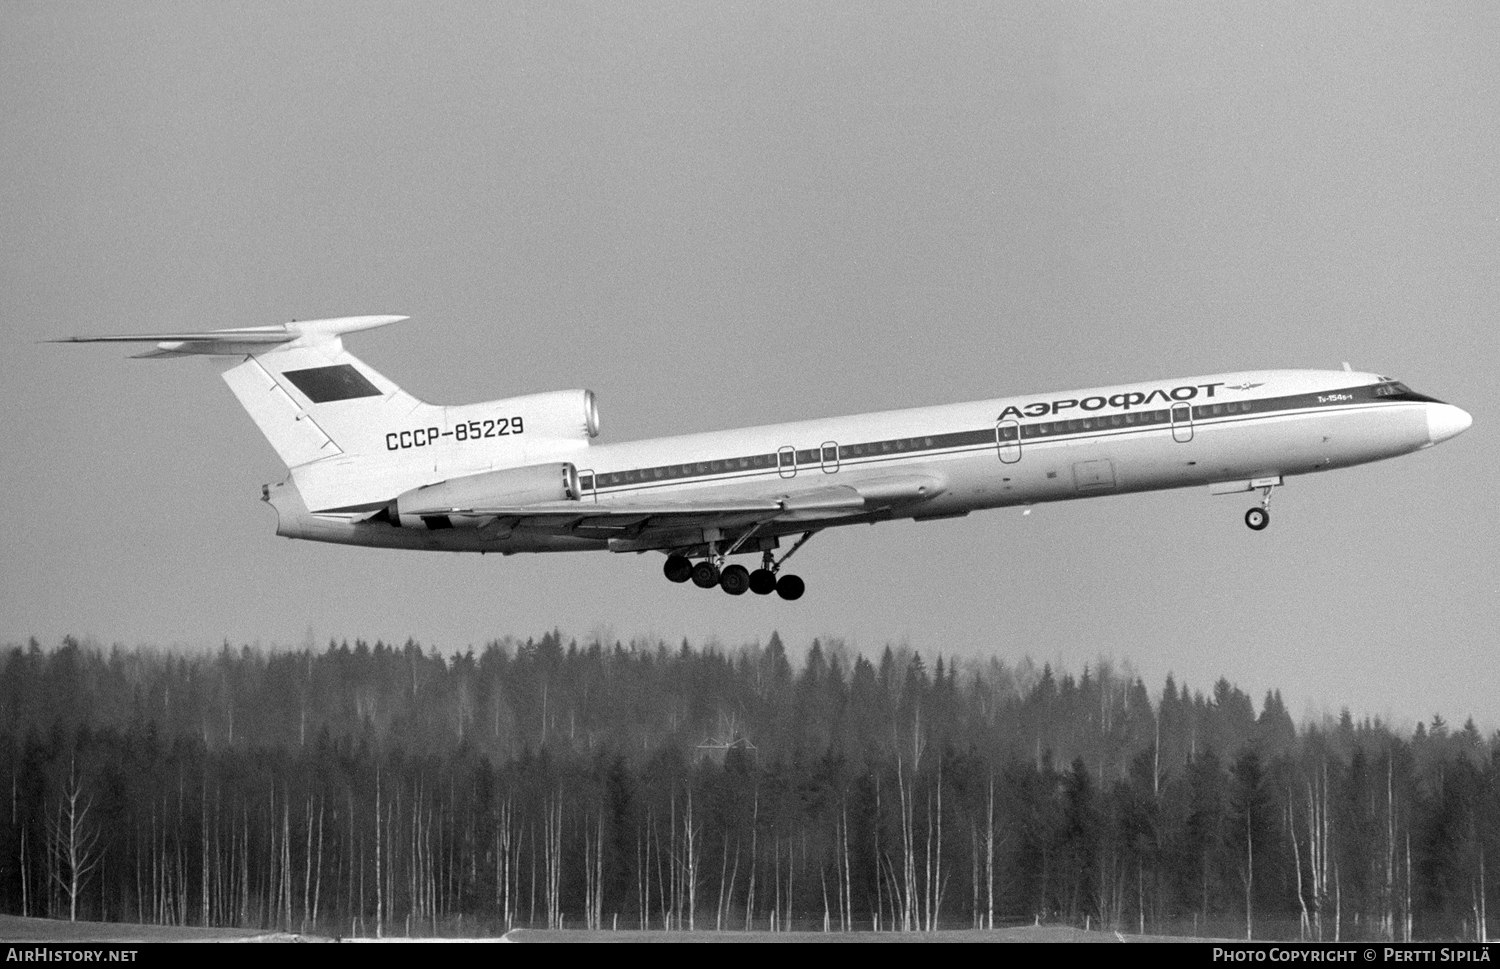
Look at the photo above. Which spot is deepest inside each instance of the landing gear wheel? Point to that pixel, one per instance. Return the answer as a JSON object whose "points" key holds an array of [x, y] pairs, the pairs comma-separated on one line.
{"points": [[735, 580], [790, 587], [762, 582], [678, 568], [705, 576], [1257, 518]]}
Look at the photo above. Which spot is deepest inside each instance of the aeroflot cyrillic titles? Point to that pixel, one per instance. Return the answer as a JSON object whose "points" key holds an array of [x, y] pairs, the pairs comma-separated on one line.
{"points": [[371, 465]]}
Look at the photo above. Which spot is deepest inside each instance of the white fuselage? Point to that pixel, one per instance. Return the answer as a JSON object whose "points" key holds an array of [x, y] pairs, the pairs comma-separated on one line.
{"points": [[1229, 431]]}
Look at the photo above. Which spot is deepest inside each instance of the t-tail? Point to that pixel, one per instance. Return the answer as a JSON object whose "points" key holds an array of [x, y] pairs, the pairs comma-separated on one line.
{"points": [[352, 439]]}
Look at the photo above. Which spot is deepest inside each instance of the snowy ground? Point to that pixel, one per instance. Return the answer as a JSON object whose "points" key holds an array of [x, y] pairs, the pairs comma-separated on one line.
{"points": [[13, 928], [16, 929]]}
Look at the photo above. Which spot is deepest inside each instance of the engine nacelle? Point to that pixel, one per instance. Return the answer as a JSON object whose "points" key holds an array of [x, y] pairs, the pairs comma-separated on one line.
{"points": [[569, 415], [557, 481]]}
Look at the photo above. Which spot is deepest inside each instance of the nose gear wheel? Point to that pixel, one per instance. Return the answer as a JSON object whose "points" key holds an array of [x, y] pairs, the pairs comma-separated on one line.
{"points": [[1259, 518]]}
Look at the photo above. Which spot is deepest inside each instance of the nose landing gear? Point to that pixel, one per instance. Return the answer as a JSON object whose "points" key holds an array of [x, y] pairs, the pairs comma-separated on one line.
{"points": [[1259, 518]]}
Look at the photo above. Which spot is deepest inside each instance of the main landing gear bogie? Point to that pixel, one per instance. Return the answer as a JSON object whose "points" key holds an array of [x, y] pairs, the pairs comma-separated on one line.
{"points": [[736, 580]]}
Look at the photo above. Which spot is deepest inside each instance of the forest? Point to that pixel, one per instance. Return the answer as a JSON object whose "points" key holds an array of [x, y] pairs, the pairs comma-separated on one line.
{"points": [[377, 789]]}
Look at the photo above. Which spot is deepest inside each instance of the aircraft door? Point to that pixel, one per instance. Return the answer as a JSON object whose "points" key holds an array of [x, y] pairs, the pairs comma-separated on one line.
{"points": [[1182, 423], [786, 462], [830, 455], [1008, 440]]}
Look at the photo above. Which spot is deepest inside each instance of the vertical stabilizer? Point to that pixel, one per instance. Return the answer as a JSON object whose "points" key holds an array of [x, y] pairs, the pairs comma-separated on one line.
{"points": [[331, 417], [326, 412], [292, 431], [320, 401]]}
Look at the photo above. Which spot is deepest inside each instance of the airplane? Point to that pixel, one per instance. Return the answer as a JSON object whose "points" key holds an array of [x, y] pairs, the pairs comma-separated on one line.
{"points": [[371, 465]]}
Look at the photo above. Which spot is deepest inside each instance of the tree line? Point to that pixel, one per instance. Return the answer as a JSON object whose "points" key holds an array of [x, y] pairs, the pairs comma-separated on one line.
{"points": [[380, 789]]}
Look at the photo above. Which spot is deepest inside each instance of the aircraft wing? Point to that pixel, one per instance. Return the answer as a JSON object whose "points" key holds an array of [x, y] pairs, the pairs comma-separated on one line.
{"points": [[668, 521]]}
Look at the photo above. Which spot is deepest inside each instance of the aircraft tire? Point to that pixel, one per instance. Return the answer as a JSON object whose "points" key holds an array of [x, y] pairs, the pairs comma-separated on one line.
{"points": [[762, 582], [735, 580], [705, 576], [678, 568], [790, 587], [1257, 519]]}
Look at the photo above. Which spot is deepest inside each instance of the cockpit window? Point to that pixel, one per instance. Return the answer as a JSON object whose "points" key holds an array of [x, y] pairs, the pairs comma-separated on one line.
{"points": [[1396, 390]]}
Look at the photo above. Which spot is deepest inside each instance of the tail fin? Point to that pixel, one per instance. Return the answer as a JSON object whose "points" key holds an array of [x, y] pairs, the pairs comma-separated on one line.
{"points": [[315, 402], [352, 439], [318, 400]]}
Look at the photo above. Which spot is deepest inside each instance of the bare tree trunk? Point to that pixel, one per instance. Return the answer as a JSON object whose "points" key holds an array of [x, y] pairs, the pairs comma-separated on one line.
{"points": [[1482, 923], [599, 871], [203, 914], [74, 841], [780, 914], [989, 860], [976, 917], [754, 840], [908, 858], [1407, 907], [318, 884], [1390, 845], [1317, 851], [643, 878], [690, 872], [552, 852], [1303, 925], [734, 874], [879, 894], [937, 888], [1249, 876], [723, 874], [379, 882], [1338, 904], [667, 893], [791, 869], [26, 878]]}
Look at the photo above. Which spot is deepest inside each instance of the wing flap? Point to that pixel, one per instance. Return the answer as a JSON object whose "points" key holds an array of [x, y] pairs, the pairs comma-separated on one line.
{"points": [[626, 519], [635, 520], [641, 525]]}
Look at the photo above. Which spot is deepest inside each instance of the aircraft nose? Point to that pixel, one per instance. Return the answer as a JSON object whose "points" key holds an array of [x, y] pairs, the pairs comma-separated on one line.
{"points": [[1445, 421]]}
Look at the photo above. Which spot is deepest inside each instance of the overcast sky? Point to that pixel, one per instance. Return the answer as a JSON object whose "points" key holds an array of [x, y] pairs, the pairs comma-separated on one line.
{"points": [[721, 214]]}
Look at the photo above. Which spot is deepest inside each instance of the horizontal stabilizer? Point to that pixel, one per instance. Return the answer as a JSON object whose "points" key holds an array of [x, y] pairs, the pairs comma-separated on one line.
{"points": [[239, 341], [258, 334]]}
